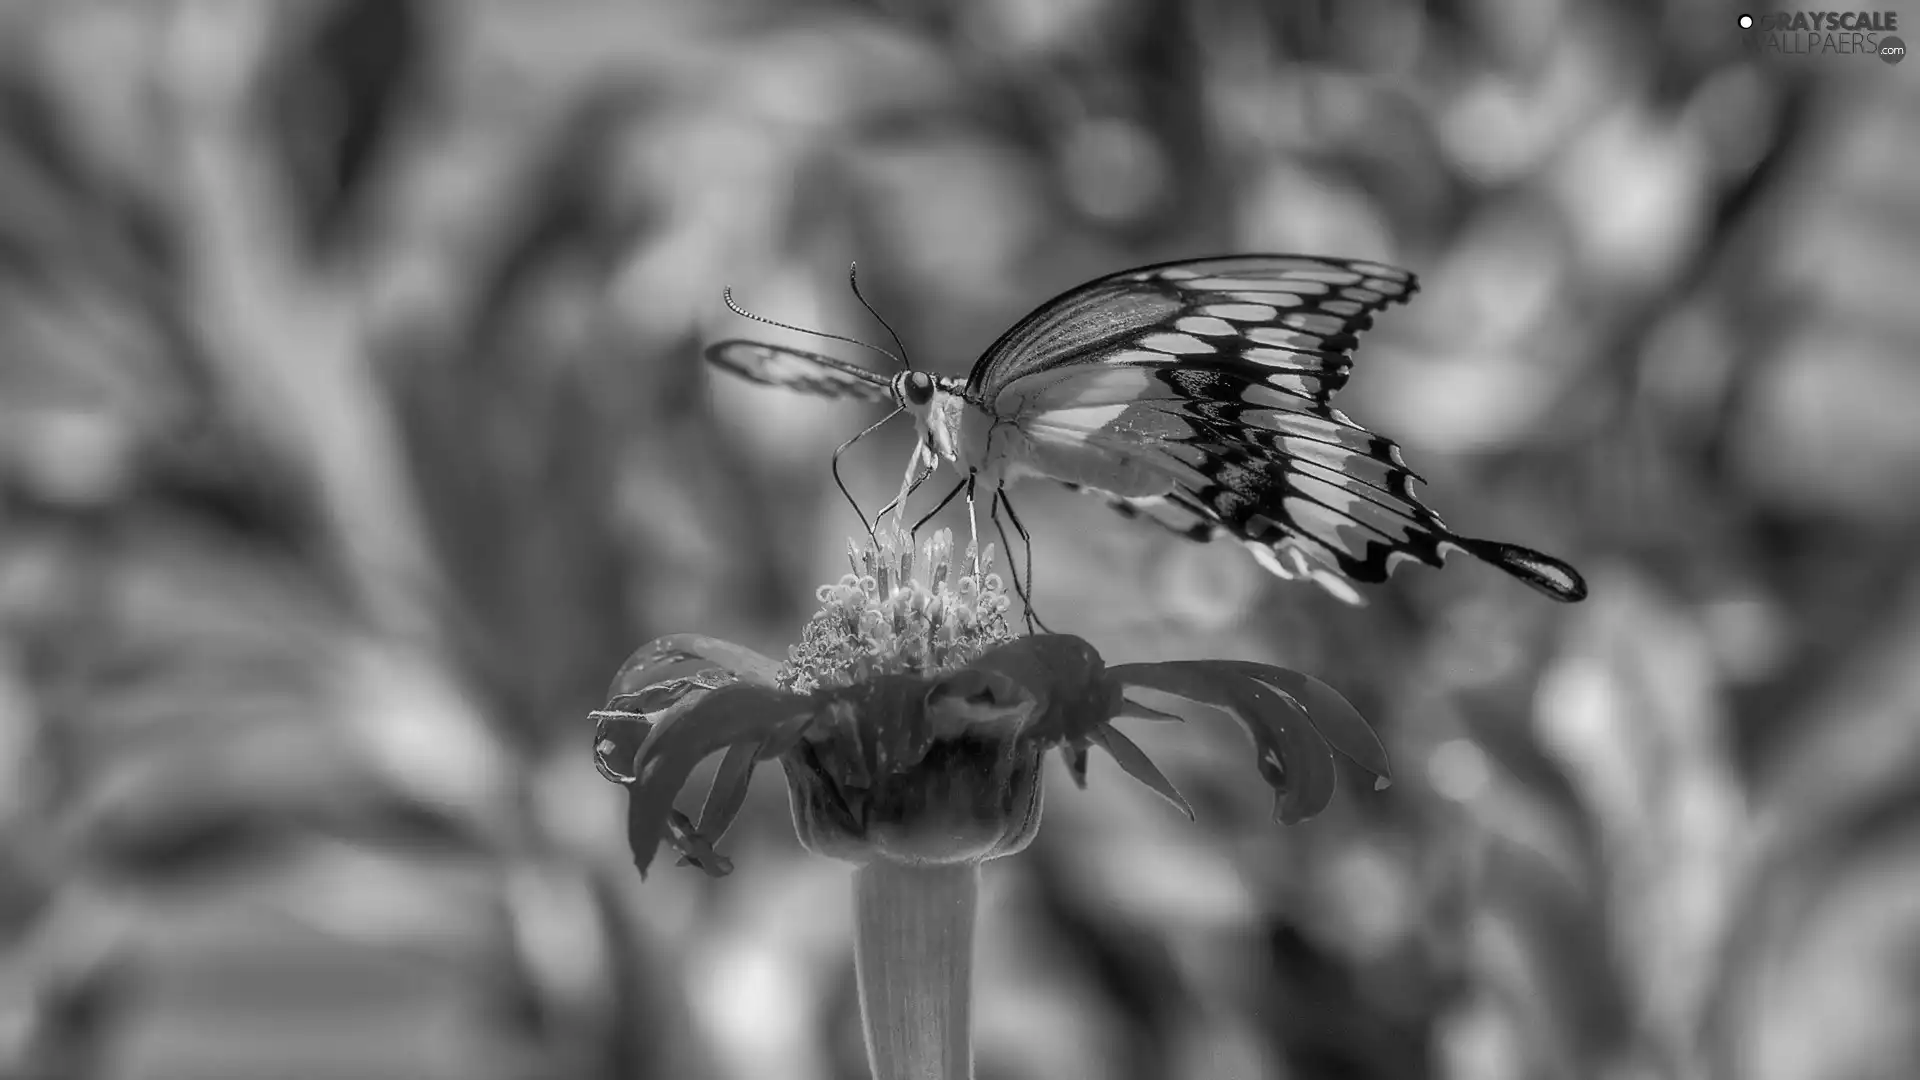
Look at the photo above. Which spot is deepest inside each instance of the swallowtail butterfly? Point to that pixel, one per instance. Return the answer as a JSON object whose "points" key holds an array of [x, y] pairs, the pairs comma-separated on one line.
{"points": [[1196, 394]]}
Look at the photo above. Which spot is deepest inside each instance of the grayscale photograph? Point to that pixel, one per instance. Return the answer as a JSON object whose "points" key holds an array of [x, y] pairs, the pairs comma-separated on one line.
{"points": [[959, 540]]}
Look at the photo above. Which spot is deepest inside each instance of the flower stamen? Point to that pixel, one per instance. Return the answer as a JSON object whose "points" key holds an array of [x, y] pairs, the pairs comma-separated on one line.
{"points": [[901, 612]]}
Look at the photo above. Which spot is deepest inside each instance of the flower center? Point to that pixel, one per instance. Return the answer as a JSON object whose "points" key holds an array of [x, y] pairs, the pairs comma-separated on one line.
{"points": [[900, 615]]}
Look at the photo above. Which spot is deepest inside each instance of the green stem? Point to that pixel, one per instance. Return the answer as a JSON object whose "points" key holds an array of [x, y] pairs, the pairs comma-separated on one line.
{"points": [[913, 955]]}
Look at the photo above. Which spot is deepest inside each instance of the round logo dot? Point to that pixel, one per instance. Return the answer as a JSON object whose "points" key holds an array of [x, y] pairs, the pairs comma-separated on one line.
{"points": [[1892, 50], [1746, 22]]}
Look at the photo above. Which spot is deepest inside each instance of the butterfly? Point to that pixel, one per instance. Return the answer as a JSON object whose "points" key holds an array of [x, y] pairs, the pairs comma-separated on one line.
{"points": [[1195, 394]]}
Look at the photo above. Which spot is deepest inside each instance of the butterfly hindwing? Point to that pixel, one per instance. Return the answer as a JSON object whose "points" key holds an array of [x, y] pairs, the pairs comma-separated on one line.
{"points": [[1346, 509], [796, 369], [1185, 517]]}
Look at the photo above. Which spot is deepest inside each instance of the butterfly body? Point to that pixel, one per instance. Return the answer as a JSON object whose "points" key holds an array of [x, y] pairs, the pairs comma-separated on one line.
{"points": [[1194, 394]]}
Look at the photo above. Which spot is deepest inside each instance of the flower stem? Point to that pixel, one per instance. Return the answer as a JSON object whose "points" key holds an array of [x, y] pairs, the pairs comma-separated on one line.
{"points": [[913, 955]]}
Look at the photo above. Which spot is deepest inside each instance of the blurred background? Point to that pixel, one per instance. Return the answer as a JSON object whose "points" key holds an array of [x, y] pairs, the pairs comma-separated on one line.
{"points": [[353, 430]]}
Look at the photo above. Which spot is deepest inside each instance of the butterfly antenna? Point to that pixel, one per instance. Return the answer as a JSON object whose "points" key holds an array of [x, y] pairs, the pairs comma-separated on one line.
{"points": [[853, 280], [727, 295], [842, 484]]}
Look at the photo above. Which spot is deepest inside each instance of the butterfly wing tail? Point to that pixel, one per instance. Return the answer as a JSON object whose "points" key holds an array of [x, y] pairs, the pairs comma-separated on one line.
{"points": [[1344, 538], [1544, 572]]}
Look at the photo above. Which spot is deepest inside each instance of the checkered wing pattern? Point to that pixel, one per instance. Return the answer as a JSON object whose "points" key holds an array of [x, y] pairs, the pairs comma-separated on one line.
{"points": [[1216, 376]]}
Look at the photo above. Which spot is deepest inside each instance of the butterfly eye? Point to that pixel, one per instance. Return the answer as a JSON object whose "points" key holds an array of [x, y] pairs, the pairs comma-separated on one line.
{"points": [[919, 388]]}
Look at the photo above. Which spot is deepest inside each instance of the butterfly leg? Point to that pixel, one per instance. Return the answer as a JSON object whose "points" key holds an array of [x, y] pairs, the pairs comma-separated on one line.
{"points": [[973, 525], [1025, 594], [842, 484], [957, 489], [920, 465], [1026, 597]]}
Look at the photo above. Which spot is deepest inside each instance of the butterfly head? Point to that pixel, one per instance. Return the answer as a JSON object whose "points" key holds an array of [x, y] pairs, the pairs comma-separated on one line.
{"points": [[914, 390], [934, 403]]}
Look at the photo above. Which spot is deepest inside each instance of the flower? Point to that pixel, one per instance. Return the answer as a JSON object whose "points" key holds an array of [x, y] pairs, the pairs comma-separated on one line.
{"points": [[911, 722]]}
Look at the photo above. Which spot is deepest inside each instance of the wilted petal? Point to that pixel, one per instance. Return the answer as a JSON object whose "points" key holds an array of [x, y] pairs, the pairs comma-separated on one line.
{"points": [[1331, 714], [679, 656], [622, 727], [1294, 759], [618, 733], [662, 678], [730, 716], [1134, 762]]}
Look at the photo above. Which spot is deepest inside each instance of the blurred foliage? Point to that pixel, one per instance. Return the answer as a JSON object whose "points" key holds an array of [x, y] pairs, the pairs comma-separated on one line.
{"points": [[352, 429]]}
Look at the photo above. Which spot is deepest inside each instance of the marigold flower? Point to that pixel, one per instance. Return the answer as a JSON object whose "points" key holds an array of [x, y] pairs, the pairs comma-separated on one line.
{"points": [[911, 722]]}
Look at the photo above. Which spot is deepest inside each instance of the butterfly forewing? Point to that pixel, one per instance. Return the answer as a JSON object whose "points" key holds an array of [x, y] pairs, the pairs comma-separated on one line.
{"points": [[1282, 315], [796, 369]]}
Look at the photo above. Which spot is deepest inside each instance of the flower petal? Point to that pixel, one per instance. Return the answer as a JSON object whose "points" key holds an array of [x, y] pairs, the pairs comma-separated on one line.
{"points": [[871, 728], [1331, 714], [1133, 710], [695, 849], [1076, 756], [679, 656], [1305, 761], [974, 697], [617, 735], [1134, 762], [1064, 674], [972, 704], [627, 721], [729, 791], [730, 716], [1294, 759]]}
